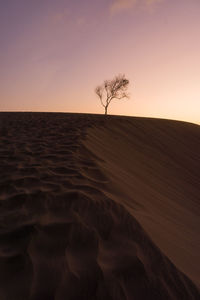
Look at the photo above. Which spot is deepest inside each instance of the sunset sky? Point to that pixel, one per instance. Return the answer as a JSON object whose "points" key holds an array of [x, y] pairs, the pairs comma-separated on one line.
{"points": [[54, 53]]}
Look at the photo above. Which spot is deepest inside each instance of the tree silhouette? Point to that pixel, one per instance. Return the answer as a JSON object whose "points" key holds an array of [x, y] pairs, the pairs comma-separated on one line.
{"points": [[112, 89]]}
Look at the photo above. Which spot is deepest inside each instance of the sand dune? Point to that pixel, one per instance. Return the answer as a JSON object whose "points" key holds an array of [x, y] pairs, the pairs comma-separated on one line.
{"points": [[98, 208]]}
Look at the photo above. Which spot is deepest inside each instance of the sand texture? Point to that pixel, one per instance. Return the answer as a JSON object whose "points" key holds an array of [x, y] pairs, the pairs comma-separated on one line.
{"points": [[95, 207]]}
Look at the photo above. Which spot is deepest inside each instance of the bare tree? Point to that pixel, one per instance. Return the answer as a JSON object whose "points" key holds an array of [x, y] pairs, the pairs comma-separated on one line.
{"points": [[112, 89]]}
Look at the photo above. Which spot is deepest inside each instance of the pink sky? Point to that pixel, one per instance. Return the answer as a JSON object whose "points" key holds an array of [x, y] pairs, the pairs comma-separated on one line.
{"points": [[54, 53]]}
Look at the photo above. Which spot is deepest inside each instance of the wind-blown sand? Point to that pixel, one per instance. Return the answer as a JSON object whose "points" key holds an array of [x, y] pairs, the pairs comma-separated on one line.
{"points": [[95, 207]]}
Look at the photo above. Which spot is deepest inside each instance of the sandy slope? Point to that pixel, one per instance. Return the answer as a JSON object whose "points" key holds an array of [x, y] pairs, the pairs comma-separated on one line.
{"points": [[154, 168], [81, 199]]}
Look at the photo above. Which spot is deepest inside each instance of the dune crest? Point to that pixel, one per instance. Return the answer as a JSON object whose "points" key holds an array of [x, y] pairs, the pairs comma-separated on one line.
{"points": [[66, 230]]}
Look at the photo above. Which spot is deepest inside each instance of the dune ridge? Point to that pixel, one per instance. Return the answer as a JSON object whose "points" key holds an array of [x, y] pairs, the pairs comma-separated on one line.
{"points": [[70, 227]]}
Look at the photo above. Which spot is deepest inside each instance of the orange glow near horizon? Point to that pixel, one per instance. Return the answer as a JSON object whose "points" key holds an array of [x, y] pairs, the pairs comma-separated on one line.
{"points": [[54, 53]]}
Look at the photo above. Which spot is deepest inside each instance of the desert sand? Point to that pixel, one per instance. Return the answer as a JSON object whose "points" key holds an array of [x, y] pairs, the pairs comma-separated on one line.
{"points": [[98, 207]]}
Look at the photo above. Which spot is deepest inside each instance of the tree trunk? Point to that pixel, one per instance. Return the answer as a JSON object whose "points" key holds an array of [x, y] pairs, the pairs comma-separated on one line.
{"points": [[106, 110]]}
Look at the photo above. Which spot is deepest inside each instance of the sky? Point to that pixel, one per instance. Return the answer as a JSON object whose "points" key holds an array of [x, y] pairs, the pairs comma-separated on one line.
{"points": [[54, 53]]}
